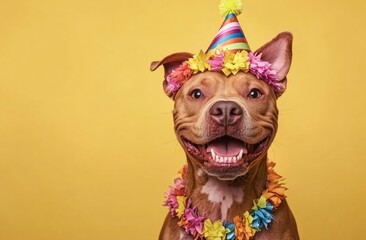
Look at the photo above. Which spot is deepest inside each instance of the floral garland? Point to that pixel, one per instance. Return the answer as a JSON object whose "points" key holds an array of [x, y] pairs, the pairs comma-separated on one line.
{"points": [[243, 227], [226, 62]]}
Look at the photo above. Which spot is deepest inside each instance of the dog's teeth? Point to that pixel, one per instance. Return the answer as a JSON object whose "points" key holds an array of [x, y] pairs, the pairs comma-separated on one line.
{"points": [[240, 154], [221, 159], [229, 159], [234, 159], [225, 159], [217, 158], [212, 154], [245, 151]]}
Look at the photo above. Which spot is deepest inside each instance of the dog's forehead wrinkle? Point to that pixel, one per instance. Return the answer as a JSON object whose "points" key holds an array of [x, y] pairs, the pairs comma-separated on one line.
{"points": [[205, 79]]}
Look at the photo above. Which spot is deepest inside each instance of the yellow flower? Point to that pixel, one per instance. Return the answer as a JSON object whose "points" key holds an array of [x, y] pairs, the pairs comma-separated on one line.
{"points": [[248, 219], [181, 205], [234, 63], [199, 63], [214, 231], [262, 203]]}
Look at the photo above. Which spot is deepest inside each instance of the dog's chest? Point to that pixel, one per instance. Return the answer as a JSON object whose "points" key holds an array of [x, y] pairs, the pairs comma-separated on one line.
{"points": [[222, 195]]}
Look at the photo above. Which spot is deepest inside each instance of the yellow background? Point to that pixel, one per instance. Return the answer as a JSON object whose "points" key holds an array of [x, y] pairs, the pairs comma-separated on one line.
{"points": [[86, 140]]}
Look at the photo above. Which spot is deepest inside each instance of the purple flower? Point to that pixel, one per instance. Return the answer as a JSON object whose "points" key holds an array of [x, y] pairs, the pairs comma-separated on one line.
{"points": [[171, 201], [173, 85], [193, 222]]}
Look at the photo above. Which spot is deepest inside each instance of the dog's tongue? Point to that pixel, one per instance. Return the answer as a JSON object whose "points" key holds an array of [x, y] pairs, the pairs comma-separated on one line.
{"points": [[227, 147]]}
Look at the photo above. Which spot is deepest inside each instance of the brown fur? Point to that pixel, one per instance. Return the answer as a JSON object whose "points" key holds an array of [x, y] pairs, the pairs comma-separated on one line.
{"points": [[259, 121]]}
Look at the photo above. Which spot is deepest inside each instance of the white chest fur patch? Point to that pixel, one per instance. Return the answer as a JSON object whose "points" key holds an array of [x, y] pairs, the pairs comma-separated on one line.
{"points": [[219, 192]]}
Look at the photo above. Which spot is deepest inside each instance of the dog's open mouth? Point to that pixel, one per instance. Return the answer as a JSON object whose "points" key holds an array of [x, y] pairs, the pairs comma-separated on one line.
{"points": [[226, 151]]}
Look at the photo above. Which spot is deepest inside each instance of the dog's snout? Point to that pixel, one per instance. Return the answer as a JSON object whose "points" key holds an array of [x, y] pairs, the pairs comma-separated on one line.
{"points": [[226, 112]]}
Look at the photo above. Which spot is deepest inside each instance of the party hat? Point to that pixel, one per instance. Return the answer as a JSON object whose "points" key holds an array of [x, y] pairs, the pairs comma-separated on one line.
{"points": [[230, 36]]}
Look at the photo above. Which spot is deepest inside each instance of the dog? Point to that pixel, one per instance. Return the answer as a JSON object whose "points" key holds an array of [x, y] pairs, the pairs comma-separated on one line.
{"points": [[225, 124]]}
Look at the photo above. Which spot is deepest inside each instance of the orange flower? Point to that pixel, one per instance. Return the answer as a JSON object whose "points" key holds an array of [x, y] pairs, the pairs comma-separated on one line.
{"points": [[239, 228], [275, 191], [183, 222], [243, 230]]}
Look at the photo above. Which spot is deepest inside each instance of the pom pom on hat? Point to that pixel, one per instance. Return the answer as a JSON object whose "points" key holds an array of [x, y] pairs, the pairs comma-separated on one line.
{"points": [[230, 6]]}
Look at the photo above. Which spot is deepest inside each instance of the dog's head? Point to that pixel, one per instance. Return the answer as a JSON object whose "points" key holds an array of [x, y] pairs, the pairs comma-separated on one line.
{"points": [[226, 124]]}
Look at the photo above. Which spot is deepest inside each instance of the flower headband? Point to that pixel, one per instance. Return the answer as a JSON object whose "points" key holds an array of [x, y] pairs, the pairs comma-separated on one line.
{"points": [[225, 62], [229, 53]]}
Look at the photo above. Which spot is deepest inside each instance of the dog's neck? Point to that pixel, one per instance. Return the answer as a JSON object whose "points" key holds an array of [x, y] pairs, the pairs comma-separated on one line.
{"points": [[223, 200]]}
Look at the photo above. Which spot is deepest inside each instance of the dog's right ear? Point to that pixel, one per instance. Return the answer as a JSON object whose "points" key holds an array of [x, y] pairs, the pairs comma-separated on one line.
{"points": [[279, 53], [170, 63]]}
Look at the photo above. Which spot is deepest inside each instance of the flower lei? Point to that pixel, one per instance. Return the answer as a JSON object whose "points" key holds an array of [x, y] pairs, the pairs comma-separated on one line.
{"points": [[226, 62], [243, 227]]}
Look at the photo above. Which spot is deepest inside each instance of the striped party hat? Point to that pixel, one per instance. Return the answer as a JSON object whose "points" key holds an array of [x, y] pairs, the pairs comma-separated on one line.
{"points": [[230, 37]]}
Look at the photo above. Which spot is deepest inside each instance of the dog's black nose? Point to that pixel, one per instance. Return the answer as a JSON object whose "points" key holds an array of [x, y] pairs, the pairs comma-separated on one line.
{"points": [[226, 112]]}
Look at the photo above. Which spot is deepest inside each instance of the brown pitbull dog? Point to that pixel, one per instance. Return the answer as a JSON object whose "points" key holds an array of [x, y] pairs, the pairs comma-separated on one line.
{"points": [[235, 116]]}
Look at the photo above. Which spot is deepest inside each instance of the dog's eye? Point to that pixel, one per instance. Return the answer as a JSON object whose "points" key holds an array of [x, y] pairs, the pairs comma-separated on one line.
{"points": [[255, 93], [196, 94]]}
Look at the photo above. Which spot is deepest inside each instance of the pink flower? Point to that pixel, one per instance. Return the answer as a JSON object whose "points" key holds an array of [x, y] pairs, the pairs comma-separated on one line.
{"points": [[180, 186], [216, 63], [261, 69], [191, 221], [178, 189], [172, 87], [171, 201]]}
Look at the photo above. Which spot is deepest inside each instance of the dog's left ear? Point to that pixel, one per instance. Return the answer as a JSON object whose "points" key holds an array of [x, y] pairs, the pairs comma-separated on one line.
{"points": [[279, 53]]}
